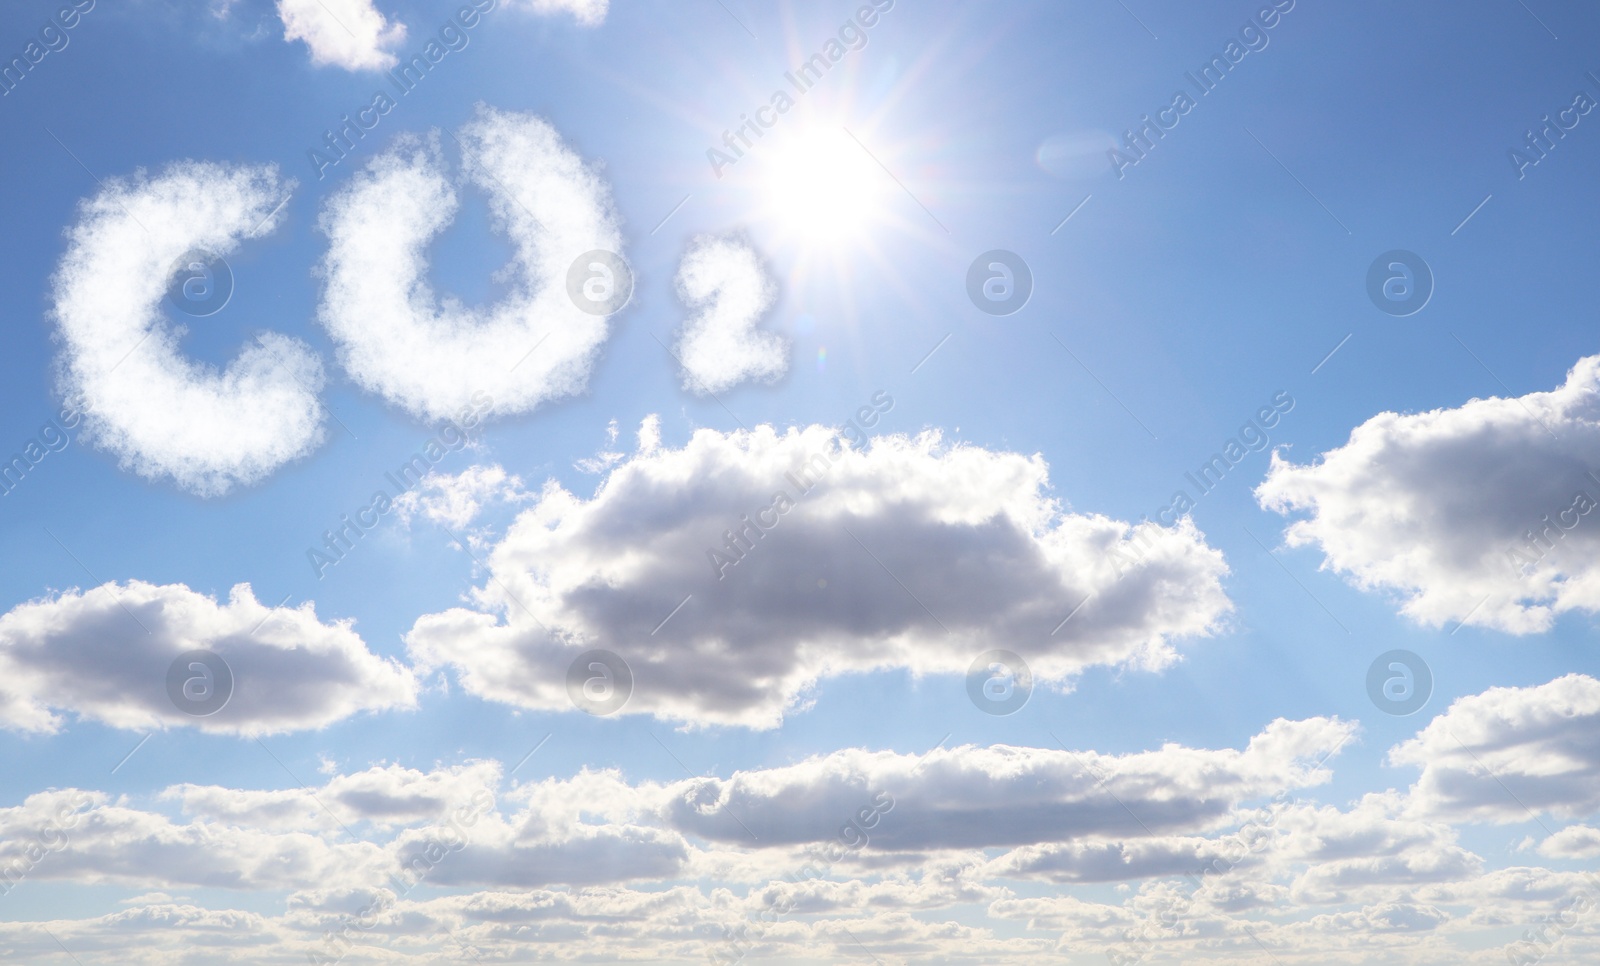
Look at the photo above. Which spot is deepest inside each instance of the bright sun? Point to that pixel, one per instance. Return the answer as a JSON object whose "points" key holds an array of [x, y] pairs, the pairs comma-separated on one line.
{"points": [[821, 184]]}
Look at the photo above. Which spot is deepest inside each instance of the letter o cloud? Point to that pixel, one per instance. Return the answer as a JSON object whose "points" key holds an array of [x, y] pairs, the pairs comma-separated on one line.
{"points": [[163, 415], [427, 355]]}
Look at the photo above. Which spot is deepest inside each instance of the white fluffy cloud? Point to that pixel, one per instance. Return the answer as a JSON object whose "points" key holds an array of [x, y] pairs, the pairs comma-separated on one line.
{"points": [[456, 500], [385, 796], [588, 829], [104, 654], [971, 797], [90, 838], [151, 935], [1439, 506], [588, 13], [723, 279], [1572, 842], [586, 855], [908, 553], [343, 33], [597, 827], [1493, 753], [430, 355], [597, 867], [444, 826], [164, 415], [355, 35], [1363, 853], [1108, 861]]}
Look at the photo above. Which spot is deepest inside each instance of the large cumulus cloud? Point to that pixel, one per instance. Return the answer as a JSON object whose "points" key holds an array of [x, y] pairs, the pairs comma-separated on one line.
{"points": [[1481, 513], [907, 553]]}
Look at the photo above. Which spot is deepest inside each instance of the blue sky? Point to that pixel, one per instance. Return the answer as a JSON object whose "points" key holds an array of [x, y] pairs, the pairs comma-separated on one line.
{"points": [[1226, 269]]}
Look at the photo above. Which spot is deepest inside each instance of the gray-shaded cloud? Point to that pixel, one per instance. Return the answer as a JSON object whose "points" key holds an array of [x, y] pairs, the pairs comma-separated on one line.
{"points": [[104, 655], [1442, 507], [1496, 755], [909, 553], [971, 797]]}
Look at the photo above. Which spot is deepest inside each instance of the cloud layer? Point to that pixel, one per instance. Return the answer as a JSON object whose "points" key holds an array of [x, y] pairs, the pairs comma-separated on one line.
{"points": [[1215, 854], [969, 797]]}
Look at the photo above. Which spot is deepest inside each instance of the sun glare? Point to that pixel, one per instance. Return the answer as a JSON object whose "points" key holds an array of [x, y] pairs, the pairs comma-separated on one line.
{"points": [[822, 185]]}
